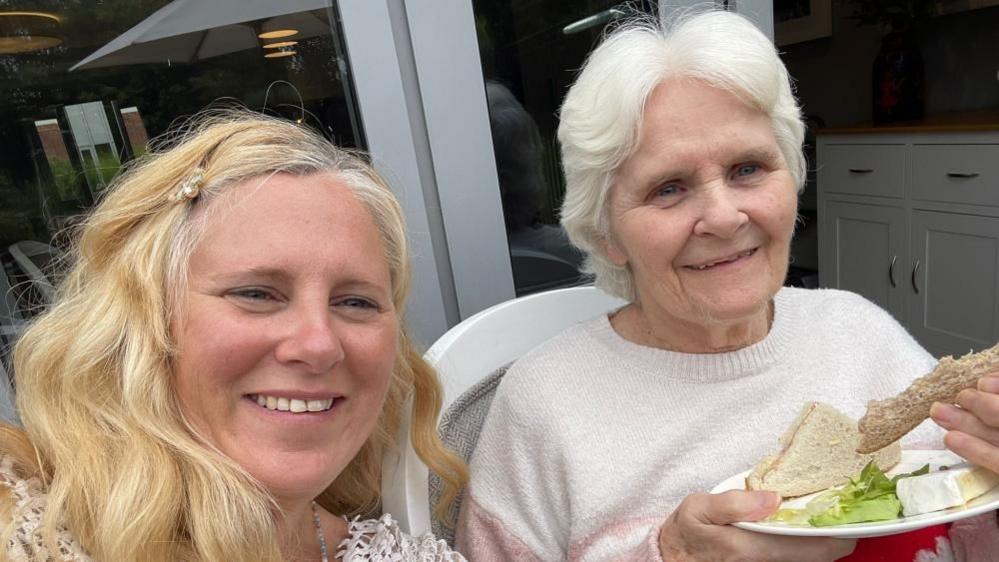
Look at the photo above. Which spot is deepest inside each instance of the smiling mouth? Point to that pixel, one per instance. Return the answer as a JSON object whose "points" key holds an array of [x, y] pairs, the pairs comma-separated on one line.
{"points": [[293, 405], [723, 261]]}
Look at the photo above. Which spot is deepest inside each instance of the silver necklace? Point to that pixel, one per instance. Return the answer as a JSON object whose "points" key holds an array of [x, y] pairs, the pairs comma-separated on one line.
{"points": [[323, 552]]}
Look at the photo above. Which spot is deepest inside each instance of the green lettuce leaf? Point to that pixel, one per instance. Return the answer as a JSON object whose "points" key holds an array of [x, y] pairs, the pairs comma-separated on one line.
{"points": [[869, 497], [883, 508]]}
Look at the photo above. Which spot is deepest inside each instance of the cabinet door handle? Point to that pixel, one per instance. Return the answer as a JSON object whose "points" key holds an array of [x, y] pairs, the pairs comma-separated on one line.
{"points": [[891, 272], [915, 269], [962, 175], [861, 170]]}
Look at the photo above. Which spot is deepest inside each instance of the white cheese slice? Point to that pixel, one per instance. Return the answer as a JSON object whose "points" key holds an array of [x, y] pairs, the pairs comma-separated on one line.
{"points": [[944, 488]]}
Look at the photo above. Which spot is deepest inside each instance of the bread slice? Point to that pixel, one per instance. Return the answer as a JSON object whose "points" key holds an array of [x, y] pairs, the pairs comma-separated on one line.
{"points": [[817, 452], [888, 420]]}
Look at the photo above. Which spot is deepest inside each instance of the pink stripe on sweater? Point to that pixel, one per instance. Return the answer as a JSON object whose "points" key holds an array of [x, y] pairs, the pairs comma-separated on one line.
{"points": [[482, 537], [647, 550]]}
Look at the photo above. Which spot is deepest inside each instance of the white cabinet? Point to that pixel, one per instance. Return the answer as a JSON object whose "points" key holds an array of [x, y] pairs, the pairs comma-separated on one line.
{"points": [[911, 221], [867, 242], [953, 305]]}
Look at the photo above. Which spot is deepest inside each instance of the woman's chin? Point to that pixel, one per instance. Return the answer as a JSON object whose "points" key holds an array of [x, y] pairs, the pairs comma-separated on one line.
{"points": [[292, 476], [730, 309], [287, 490]]}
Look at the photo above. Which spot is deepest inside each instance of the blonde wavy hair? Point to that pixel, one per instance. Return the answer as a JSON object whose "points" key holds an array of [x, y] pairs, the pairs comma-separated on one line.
{"points": [[103, 429]]}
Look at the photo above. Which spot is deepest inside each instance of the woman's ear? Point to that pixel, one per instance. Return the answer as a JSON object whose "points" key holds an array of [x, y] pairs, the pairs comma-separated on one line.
{"points": [[612, 251]]}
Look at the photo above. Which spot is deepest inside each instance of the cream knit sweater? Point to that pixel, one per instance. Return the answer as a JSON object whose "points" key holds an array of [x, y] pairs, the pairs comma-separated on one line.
{"points": [[593, 440]]}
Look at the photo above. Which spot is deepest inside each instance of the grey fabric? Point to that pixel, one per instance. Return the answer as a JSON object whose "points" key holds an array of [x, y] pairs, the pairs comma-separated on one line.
{"points": [[459, 430], [7, 411]]}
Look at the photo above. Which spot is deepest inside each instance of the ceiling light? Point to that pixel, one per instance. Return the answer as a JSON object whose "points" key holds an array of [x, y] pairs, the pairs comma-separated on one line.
{"points": [[280, 44], [25, 32], [279, 54], [278, 33]]}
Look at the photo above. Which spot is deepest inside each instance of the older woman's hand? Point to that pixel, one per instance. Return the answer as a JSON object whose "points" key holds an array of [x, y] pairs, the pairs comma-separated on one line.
{"points": [[699, 530], [973, 425]]}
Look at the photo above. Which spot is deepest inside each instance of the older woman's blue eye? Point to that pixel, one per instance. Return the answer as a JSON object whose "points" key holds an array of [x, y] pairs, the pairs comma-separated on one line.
{"points": [[667, 190], [747, 170]]}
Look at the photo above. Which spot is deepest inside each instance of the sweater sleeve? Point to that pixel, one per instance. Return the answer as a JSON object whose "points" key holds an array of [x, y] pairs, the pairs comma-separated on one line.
{"points": [[516, 506], [483, 537], [523, 500]]}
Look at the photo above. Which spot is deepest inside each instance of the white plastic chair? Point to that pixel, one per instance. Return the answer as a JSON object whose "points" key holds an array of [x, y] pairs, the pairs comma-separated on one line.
{"points": [[11, 320], [464, 355], [34, 258]]}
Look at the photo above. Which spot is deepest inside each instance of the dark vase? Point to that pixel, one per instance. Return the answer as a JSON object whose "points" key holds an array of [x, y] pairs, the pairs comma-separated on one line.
{"points": [[898, 84]]}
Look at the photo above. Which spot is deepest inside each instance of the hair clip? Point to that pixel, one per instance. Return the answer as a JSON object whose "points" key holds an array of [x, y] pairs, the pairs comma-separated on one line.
{"points": [[191, 187]]}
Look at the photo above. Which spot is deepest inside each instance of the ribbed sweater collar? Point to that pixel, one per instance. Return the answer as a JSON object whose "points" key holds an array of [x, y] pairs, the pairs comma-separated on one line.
{"points": [[707, 367]]}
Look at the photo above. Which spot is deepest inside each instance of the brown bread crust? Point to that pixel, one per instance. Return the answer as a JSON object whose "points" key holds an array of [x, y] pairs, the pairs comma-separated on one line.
{"points": [[888, 420]]}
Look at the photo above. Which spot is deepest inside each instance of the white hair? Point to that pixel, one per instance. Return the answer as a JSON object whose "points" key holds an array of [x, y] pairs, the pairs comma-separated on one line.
{"points": [[601, 118]]}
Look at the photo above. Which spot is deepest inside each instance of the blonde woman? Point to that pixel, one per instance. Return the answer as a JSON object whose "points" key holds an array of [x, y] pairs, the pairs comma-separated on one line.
{"points": [[225, 365]]}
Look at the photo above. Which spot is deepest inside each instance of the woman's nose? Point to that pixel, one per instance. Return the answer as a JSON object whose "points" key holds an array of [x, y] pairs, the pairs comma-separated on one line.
{"points": [[721, 214], [312, 342]]}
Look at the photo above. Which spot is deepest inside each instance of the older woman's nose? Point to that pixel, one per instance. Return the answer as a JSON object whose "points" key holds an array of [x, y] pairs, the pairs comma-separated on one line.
{"points": [[312, 342], [720, 213]]}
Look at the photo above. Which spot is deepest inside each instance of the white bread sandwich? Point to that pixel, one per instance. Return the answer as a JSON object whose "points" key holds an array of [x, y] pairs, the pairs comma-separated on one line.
{"points": [[888, 420], [817, 452]]}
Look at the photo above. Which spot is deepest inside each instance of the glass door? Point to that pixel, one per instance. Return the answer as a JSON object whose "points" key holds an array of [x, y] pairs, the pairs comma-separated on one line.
{"points": [[489, 91], [86, 85]]}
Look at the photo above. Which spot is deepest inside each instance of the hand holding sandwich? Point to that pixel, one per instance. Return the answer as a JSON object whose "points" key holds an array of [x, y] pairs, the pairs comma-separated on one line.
{"points": [[973, 424], [700, 529]]}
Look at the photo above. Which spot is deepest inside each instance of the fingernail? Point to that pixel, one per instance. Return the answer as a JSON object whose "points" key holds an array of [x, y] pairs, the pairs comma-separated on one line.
{"points": [[768, 500], [967, 398], [955, 440], [942, 412], [989, 384]]}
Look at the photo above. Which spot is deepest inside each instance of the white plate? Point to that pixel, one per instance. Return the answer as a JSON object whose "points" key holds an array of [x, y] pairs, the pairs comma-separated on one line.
{"points": [[911, 460]]}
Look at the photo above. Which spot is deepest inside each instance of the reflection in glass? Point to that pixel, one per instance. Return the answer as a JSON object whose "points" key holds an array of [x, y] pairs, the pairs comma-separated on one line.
{"points": [[530, 52], [78, 109], [540, 253]]}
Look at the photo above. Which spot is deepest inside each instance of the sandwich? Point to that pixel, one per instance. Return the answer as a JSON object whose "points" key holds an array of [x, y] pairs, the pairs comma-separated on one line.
{"points": [[817, 452], [888, 420]]}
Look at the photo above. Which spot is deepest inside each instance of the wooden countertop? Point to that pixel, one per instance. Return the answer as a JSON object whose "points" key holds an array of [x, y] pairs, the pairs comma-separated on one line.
{"points": [[965, 121]]}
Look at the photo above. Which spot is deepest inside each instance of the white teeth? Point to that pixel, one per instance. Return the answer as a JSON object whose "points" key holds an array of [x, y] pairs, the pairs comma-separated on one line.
{"points": [[293, 405], [714, 263]]}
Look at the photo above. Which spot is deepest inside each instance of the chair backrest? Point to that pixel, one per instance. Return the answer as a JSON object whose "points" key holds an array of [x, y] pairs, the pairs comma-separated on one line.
{"points": [[8, 412], [468, 353], [12, 323], [535, 270], [10, 315], [35, 259]]}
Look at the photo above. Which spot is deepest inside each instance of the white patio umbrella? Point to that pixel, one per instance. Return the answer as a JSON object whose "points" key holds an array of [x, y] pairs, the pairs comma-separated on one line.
{"points": [[190, 30]]}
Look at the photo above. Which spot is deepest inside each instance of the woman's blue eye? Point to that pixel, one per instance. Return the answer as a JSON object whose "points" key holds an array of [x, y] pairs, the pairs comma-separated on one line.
{"points": [[747, 170], [667, 190], [355, 302], [252, 294]]}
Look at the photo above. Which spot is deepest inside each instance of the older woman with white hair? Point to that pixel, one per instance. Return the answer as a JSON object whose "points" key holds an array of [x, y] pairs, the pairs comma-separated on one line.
{"points": [[682, 154]]}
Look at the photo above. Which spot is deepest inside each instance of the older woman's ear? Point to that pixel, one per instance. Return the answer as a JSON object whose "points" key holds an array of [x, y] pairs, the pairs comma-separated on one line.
{"points": [[612, 252]]}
